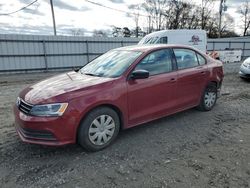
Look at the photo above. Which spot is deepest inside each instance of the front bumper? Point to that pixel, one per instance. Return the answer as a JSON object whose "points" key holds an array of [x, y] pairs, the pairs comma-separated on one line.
{"points": [[50, 131]]}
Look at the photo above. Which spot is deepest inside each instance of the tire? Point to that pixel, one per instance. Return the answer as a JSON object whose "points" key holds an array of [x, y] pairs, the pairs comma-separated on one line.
{"points": [[245, 79], [209, 98], [98, 129]]}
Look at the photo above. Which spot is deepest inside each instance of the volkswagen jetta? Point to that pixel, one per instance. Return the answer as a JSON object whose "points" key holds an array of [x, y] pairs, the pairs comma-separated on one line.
{"points": [[123, 88]]}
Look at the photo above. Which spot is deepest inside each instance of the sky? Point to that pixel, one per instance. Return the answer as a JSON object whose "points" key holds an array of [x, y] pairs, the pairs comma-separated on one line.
{"points": [[77, 14]]}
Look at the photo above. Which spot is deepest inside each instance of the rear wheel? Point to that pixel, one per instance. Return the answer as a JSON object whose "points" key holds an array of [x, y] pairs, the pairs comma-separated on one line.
{"points": [[99, 129], [209, 98]]}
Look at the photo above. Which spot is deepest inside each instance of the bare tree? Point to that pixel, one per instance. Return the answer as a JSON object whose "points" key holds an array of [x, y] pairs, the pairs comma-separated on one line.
{"points": [[177, 12], [117, 31], [244, 10], [77, 32], [181, 14], [137, 31], [206, 9], [227, 26], [126, 32], [174, 14], [227, 23], [155, 10], [194, 20], [100, 33], [135, 14]]}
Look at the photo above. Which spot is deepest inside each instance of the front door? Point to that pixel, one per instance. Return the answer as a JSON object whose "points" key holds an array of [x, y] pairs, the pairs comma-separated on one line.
{"points": [[152, 97]]}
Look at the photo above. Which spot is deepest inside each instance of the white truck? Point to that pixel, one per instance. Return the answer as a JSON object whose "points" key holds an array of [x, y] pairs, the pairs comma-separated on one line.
{"points": [[190, 37]]}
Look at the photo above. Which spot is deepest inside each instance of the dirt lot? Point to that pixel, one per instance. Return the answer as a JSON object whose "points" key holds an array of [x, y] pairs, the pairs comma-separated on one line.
{"points": [[189, 149]]}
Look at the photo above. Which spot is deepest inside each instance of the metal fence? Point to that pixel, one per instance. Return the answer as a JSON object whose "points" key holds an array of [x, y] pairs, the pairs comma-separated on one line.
{"points": [[217, 45], [21, 53]]}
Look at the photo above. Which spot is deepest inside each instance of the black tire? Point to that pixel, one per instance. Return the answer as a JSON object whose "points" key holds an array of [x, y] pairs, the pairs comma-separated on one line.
{"points": [[88, 121], [203, 106], [245, 79]]}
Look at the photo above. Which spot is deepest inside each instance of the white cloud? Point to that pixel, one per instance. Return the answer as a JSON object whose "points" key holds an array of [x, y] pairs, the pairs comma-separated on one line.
{"points": [[78, 14]]}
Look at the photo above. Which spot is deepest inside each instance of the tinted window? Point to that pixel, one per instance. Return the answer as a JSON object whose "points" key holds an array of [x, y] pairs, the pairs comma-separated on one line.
{"points": [[163, 40], [185, 58], [202, 60], [111, 64], [157, 62]]}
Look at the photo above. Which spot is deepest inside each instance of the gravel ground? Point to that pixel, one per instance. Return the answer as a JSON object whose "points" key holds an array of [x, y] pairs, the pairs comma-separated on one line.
{"points": [[189, 149]]}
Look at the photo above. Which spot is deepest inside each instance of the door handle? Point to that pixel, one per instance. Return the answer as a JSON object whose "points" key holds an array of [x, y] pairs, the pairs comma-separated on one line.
{"points": [[203, 72], [173, 80]]}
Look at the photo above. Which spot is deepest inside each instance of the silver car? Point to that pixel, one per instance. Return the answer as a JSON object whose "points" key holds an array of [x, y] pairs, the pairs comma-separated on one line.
{"points": [[245, 68]]}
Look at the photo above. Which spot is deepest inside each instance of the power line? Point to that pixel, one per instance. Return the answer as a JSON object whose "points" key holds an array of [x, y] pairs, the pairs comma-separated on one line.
{"points": [[6, 14], [104, 6]]}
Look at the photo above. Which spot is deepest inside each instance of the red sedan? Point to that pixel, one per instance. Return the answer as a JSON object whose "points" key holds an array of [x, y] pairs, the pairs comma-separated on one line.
{"points": [[123, 88]]}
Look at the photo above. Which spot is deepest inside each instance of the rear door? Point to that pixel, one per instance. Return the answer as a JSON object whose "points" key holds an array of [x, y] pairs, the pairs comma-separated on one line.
{"points": [[192, 74], [153, 97]]}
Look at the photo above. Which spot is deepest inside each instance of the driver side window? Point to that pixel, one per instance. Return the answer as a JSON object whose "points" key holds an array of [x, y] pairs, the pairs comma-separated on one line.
{"points": [[157, 62]]}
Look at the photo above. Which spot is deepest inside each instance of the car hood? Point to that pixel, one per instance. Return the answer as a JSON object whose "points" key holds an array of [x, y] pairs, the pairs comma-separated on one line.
{"points": [[49, 89]]}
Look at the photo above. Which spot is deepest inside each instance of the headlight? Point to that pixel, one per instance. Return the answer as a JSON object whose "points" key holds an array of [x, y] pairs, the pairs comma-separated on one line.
{"points": [[18, 100], [56, 109], [246, 64]]}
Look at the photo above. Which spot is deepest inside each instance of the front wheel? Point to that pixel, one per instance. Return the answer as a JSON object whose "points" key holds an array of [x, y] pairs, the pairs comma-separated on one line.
{"points": [[99, 129], [209, 98]]}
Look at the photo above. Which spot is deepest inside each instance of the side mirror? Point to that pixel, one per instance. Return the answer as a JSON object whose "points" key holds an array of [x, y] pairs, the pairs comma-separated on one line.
{"points": [[139, 74], [76, 69]]}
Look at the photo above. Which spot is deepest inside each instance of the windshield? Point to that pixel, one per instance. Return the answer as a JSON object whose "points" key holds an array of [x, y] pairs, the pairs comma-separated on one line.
{"points": [[111, 64]]}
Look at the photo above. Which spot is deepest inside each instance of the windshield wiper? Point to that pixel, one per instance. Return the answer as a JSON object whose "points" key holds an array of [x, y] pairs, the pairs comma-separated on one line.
{"points": [[91, 74]]}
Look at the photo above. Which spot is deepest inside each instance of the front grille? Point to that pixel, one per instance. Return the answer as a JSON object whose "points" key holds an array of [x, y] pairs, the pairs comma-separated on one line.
{"points": [[37, 134], [24, 106]]}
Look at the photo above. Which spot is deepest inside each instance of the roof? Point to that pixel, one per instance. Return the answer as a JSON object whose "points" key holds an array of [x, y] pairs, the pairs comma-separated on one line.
{"points": [[175, 31], [149, 47]]}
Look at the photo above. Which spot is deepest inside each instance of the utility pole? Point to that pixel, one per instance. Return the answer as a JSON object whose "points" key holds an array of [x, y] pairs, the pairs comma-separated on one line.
{"points": [[202, 14], [149, 24], [53, 16], [223, 7]]}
